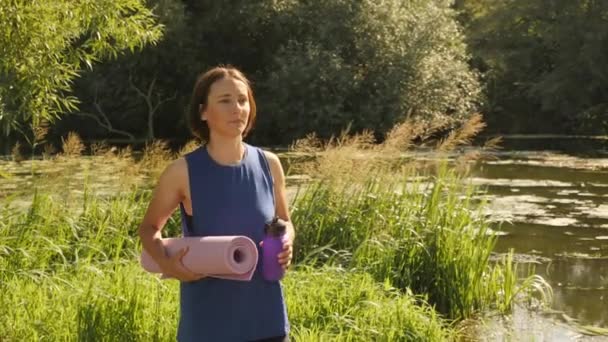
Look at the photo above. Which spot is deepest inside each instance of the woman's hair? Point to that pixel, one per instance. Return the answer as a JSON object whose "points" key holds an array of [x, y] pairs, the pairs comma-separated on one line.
{"points": [[200, 95]]}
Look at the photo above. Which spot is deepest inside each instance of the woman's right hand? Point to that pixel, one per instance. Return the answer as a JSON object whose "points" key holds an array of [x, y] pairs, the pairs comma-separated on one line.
{"points": [[173, 267]]}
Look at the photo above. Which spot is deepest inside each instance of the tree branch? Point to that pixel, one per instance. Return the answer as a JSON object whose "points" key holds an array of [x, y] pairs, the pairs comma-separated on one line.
{"points": [[107, 124], [148, 98]]}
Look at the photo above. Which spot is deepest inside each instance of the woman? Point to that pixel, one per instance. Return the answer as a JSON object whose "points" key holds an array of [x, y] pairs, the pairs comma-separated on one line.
{"points": [[225, 187]]}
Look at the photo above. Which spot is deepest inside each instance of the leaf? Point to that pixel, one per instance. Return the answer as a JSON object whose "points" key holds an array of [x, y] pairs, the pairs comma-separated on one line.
{"points": [[63, 33]]}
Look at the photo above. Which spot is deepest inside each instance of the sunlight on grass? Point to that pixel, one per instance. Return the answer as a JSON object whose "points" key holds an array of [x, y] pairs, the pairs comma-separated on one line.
{"points": [[388, 247]]}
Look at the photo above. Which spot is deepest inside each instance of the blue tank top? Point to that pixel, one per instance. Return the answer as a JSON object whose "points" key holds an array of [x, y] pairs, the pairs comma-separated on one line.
{"points": [[230, 200]]}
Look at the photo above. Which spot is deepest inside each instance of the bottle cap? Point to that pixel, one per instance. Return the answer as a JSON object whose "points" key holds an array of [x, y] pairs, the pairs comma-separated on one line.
{"points": [[276, 227]]}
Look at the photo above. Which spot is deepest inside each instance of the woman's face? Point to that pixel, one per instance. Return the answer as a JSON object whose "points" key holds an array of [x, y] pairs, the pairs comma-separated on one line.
{"points": [[227, 110]]}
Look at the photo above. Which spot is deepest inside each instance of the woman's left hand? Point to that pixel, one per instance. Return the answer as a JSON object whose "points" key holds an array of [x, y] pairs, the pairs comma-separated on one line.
{"points": [[287, 253]]}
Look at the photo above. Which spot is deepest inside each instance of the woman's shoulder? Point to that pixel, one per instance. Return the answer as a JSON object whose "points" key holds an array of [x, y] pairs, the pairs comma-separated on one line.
{"points": [[274, 163], [173, 179], [272, 157], [177, 169], [179, 166]]}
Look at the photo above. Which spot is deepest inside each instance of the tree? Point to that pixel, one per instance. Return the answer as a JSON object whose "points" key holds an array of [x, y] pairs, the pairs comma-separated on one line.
{"points": [[368, 63], [315, 65], [144, 92], [46, 44], [544, 63]]}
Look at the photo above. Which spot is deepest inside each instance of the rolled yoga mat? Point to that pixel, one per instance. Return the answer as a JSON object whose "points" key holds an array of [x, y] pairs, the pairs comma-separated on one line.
{"points": [[225, 257]]}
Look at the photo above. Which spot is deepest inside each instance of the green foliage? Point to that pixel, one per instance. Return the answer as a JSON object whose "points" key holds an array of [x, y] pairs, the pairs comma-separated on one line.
{"points": [[45, 237], [369, 63], [69, 267], [315, 66], [420, 233], [44, 45], [120, 302], [329, 304], [91, 302], [73, 274], [124, 91], [543, 61]]}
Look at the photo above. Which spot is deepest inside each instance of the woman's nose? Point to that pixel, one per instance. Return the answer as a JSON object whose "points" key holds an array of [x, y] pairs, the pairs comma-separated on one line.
{"points": [[241, 106], [234, 107]]}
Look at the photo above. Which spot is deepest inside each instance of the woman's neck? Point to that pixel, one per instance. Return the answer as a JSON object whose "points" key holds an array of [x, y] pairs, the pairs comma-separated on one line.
{"points": [[226, 151]]}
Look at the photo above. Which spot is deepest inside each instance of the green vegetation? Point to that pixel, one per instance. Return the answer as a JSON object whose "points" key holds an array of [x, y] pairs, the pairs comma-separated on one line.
{"points": [[389, 247], [543, 63], [316, 66], [386, 248], [418, 229], [328, 304], [120, 302], [74, 275], [45, 45]]}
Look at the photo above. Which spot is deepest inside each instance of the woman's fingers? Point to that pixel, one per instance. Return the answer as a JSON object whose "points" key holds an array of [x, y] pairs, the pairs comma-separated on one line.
{"points": [[287, 250], [285, 264], [283, 256], [187, 273], [180, 271], [286, 255]]}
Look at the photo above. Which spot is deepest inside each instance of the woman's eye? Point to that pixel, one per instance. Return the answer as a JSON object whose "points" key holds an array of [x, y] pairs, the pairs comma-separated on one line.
{"points": [[242, 101], [224, 101]]}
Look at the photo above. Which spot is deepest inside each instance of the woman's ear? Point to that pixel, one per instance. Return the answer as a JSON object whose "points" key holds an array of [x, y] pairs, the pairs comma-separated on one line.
{"points": [[202, 112]]}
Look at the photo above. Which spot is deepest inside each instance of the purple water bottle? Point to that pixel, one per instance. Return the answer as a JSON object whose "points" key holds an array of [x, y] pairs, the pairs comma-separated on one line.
{"points": [[272, 246]]}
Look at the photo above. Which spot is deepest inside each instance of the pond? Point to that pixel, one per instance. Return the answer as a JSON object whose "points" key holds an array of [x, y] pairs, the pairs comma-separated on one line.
{"points": [[552, 210]]}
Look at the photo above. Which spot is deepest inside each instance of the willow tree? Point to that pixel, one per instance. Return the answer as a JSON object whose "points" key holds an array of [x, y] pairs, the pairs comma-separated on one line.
{"points": [[316, 65], [46, 44]]}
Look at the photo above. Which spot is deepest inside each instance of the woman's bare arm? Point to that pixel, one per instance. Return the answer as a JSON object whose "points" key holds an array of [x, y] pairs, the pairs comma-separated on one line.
{"points": [[282, 207], [169, 192]]}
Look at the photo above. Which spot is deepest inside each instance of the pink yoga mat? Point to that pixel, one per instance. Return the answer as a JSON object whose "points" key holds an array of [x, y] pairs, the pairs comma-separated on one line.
{"points": [[226, 257]]}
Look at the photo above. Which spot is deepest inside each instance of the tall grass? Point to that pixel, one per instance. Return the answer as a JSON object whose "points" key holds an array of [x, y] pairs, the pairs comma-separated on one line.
{"points": [[88, 303], [51, 235], [122, 303], [70, 274], [428, 237], [332, 304], [99, 297], [385, 248], [418, 228]]}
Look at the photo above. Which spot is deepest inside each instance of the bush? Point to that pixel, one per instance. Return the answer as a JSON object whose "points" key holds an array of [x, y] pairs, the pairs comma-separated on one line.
{"points": [[364, 63], [316, 66]]}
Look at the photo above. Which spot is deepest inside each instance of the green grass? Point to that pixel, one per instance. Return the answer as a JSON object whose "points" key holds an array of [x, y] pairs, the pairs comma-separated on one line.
{"points": [[71, 273], [88, 303], [122, 303], [330, 304], [392, 257], [419, 232]]}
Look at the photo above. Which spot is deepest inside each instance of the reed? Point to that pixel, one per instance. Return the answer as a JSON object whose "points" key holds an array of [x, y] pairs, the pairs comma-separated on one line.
{"points": [[75, 276], [385, 248], [332, 304], [119, 302], [421, 229], [52, 235]]}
